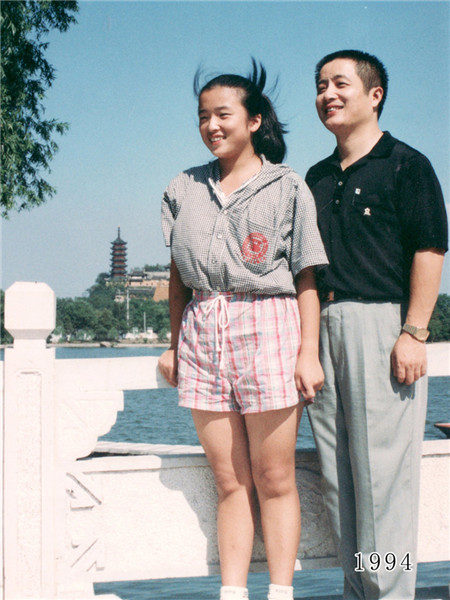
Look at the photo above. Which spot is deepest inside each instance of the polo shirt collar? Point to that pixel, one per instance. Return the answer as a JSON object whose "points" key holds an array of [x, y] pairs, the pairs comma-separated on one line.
{"points": [[382, 149]]}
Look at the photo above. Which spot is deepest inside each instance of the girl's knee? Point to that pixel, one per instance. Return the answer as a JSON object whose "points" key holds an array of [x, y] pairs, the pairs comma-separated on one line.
{"points": [[275, 481], [227, 483]]}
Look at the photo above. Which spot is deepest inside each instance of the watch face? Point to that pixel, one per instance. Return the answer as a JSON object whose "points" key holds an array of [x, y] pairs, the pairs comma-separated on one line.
{"points": [[422, 334]]}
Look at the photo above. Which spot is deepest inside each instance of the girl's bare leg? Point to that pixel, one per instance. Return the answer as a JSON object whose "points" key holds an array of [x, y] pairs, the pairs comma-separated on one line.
{"points": [[272, 439], [224, 439]]}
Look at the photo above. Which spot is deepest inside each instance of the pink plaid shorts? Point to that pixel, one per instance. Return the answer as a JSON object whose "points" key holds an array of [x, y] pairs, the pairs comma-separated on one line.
{"points": [[237, 352]]}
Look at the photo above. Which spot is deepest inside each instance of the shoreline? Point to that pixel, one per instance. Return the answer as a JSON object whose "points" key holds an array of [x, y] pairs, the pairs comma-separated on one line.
{"points": [[438, 352], [108, 345], [100, 345], [134, 345]]}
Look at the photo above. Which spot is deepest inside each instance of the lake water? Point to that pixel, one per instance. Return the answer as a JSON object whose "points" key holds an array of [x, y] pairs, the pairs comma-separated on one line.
{"points": [[152, 416]]}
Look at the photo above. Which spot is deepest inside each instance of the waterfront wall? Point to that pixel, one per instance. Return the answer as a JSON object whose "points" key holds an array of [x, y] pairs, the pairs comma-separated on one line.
{"points": [[76, 511]]}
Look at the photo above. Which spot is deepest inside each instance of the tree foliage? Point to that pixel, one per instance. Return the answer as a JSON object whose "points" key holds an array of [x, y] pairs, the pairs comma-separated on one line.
{"points": [[157, 267], [27, 137], [99, 317], [5, 337], [440, 320]]}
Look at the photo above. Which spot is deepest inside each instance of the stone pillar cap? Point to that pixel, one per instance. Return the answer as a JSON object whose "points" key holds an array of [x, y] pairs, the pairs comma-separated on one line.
{"points": [[30, 310]]}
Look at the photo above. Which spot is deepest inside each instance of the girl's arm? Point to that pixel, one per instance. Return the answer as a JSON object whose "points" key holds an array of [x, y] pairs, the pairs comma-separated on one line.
{"points": [[309, 376], [179, 297]]}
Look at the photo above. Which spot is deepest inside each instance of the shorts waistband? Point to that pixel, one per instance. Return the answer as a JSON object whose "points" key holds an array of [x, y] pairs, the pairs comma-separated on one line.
{"points": [[205, 295], [202, 295]]}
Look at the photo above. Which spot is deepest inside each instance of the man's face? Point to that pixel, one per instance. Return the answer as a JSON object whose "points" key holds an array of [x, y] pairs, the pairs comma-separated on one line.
{"points": [[342, 102]]}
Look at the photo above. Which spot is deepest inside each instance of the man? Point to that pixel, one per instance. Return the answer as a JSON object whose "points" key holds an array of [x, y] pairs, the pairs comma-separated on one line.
{"points": [[382, 219]]}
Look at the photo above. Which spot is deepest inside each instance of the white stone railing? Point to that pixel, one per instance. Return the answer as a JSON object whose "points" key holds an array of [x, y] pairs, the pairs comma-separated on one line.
{"points": [[130, 511]]}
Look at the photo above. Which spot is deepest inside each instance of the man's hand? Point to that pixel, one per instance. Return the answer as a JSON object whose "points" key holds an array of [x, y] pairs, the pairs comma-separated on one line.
{"points": [[409, 356], [408, 359], [168, 367]]}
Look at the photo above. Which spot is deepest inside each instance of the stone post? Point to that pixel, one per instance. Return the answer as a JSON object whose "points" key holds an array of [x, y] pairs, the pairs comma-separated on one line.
{"points": [[49, 509], [29, 444]]}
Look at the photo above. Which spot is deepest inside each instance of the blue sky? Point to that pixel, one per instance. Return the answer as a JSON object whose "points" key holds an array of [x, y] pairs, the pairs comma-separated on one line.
{"points": [[124, 83]]}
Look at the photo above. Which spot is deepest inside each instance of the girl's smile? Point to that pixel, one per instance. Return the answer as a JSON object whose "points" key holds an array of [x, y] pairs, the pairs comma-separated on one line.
{"points": [[224, 123]]}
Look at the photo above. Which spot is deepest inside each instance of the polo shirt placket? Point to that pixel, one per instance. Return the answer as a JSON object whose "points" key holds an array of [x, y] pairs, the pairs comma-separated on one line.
{"points": [[373, 224]]}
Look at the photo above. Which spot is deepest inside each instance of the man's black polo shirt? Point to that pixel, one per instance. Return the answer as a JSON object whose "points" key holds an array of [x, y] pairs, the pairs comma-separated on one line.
{"points": [[374, 216]]}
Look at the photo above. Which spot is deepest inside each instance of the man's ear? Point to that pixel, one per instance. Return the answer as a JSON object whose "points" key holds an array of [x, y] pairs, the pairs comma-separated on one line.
{"points": [[377, 95]]}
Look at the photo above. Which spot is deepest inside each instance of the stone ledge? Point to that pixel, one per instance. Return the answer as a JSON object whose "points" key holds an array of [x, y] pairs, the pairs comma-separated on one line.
{"points": [[436, 448], [431, 448], [129, 448], [434, 593], [127, 456]]}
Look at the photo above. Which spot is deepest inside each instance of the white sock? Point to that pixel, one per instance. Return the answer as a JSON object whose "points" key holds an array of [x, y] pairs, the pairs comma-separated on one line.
{"points": [[280, 592], [231, 592]]}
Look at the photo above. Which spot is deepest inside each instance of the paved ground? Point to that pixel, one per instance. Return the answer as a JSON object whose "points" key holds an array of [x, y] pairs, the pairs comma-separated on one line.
{"points": [[434, 593]]}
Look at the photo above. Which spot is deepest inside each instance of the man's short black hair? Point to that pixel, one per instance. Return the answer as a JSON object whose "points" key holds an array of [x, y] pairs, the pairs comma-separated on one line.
{"points": [[369, 68]]}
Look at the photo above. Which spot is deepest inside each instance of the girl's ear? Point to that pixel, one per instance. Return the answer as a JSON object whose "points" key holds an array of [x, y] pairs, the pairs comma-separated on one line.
{"points": [[255, 123]]}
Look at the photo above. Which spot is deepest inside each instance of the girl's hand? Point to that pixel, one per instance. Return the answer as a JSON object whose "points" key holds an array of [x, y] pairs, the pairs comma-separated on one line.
{"points": [[167, 364], [309, 376]]}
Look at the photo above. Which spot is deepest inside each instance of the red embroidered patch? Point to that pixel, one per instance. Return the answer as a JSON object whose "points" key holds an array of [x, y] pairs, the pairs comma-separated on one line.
{"points": [[254, 248]]}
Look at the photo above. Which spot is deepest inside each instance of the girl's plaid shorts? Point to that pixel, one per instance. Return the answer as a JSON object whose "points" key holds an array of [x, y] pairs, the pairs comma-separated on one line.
{"points": [[238, 351]]}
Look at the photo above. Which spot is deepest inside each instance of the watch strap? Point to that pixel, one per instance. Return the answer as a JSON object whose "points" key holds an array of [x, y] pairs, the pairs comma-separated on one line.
{"points": [[419, 333]]}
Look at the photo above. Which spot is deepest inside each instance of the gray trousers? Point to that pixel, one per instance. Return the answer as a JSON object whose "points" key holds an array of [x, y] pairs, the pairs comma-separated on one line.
{"points": [[369, 430]]}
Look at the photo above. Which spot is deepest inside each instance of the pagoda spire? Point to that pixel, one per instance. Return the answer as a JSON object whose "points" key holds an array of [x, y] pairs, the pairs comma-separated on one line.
{"points": [[118, 258]]}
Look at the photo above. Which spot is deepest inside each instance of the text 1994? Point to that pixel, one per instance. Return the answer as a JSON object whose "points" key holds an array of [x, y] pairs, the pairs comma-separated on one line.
{"points": [[389, 562]]}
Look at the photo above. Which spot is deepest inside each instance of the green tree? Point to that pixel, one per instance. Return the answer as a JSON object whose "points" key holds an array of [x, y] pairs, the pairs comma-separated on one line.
{"points": [[99, 314], [74, 315], [157, 267], [161, 318], [27, 137], [5, 337], [440, 320], [101, 295], [119, 314], [105, 328], [156, 314]]}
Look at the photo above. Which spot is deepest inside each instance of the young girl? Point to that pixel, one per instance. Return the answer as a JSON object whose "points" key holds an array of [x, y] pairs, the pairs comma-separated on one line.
{"points": [[244, 244]]}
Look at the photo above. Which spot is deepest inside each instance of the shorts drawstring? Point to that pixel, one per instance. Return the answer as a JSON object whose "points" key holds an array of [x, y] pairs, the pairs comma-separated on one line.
{"points": [[222, 320], [238, 352]]}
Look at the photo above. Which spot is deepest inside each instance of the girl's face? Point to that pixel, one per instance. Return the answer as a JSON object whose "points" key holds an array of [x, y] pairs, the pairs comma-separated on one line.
{"points": [[224, 123]]}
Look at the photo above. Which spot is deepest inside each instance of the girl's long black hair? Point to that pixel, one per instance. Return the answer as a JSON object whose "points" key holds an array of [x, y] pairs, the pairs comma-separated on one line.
{"points": [[268, 139]]}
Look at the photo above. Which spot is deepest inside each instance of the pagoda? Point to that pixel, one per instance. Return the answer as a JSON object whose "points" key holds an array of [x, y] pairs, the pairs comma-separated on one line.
{"points": [[118, 258]]}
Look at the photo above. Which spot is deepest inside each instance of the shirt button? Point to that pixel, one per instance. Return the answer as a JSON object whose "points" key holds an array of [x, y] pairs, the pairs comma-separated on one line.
{"points": [[214, 261], [340, 183], [219, 236], [337, 201], [225, 212]]}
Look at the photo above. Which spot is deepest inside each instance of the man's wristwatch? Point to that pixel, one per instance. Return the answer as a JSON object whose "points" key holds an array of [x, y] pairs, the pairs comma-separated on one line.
{"points": [[418, 333]]}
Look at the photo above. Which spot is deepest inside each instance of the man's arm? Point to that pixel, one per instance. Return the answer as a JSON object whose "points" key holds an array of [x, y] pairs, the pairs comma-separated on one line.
{"points": [[409, 357], [179, 297]]}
